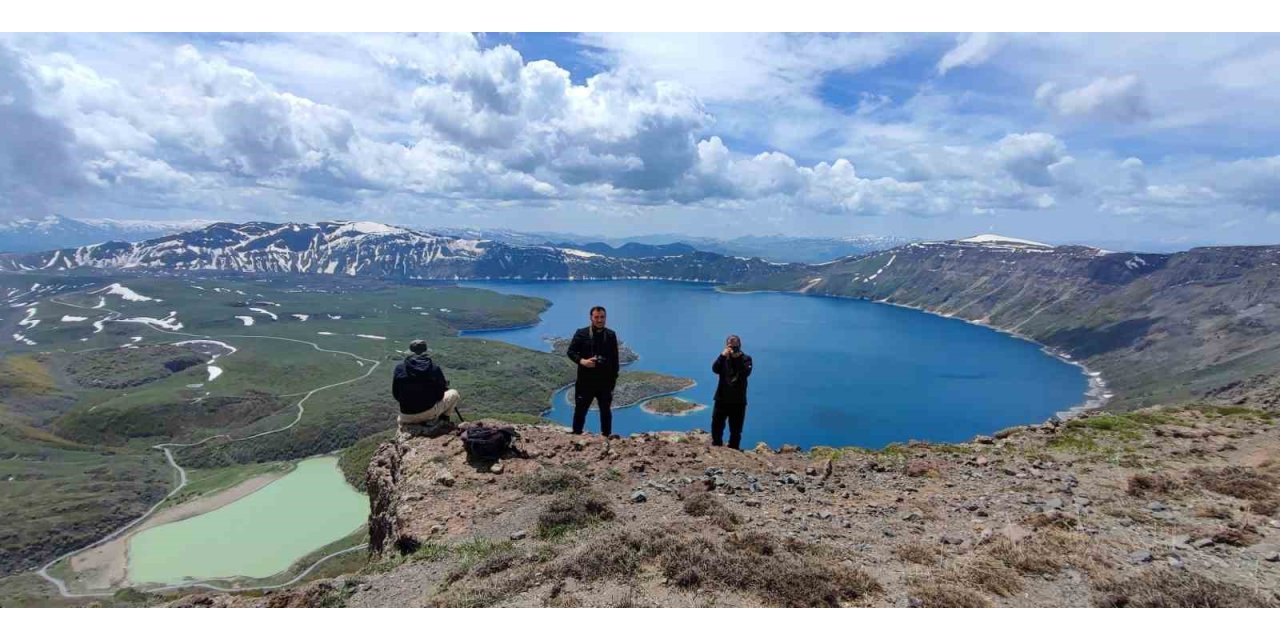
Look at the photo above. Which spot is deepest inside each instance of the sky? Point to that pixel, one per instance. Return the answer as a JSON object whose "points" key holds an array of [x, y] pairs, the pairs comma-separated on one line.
{"points": [[1108, 139]]}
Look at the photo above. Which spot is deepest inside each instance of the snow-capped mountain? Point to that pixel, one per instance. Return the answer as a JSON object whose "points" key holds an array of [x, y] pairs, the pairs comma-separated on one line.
{"points": [[55, 232], [777, 248], [377, 250]]}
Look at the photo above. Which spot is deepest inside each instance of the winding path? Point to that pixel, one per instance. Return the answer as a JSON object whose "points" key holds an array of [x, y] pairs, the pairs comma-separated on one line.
{"points": [[168, 448]]}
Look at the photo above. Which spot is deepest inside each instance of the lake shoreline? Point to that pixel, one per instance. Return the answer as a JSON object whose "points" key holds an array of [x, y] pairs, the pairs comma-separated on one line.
{"points": [[107, 566], [1096, 395], [1072, 393]]}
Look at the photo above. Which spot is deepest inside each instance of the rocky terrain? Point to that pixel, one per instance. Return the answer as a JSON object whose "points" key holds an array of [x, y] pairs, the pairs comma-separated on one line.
{"points": [[1162, 507]]}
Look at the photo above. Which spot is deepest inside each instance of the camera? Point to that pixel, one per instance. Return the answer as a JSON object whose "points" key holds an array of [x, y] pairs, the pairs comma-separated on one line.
{"points": [[599, 359]]}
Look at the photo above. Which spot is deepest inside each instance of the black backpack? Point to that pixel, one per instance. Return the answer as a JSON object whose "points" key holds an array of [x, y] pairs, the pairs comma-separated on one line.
{"points": [[487, 442]]}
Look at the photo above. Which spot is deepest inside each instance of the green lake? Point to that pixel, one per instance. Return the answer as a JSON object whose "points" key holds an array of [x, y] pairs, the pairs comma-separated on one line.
{"points": [[256, 536]]}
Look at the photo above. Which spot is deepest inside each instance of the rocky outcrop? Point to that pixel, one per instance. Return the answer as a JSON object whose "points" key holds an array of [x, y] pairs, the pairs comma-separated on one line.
{"points": [[1083, 509], [381, 483]]}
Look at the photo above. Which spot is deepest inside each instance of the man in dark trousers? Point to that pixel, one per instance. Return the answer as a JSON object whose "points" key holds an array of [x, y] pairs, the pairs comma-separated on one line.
{"points": [[594, 349], [421, 388], [734, 367]]}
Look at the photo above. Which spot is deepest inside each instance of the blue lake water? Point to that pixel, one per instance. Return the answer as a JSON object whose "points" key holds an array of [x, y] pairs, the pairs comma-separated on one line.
{"points": [[828, 371]]}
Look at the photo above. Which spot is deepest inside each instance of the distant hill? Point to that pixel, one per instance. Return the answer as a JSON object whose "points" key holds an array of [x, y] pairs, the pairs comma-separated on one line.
{"points": [[378, 250], [58, 232], [775, 248], [633, 249], [1160, 327]]}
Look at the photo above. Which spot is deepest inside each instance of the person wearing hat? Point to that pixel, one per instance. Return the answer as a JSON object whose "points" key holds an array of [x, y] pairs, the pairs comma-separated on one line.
{"points": [[421, 388]]}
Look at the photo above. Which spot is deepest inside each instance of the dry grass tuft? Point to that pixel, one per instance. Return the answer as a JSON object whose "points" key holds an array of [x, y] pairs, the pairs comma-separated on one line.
{"points": [[1051, 520], [548, 481], [1215, 511], [1265, 507], [941, 595], [1237, 482], [917, 553], [787, 579], [1045, 553], [1151, 484], [1165, 587], [1235, 534], [778, 572], [573, 511], [706, 504], [991, 575]]}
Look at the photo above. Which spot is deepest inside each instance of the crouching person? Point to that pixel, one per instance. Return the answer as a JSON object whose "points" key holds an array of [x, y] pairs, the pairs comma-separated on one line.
{"points": [[422, 390]]}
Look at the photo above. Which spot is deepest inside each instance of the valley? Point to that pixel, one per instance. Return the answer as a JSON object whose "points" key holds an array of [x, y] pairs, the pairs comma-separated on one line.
{"points": [[167, 380], [285, 388]]}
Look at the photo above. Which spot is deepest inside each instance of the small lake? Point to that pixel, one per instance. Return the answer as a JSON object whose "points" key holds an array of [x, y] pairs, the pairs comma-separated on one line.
{"points": [[828, 371], [256, 536]]}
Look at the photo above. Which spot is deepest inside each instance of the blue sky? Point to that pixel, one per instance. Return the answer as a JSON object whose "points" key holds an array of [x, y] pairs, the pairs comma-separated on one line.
{"points": [[1116, 140]]}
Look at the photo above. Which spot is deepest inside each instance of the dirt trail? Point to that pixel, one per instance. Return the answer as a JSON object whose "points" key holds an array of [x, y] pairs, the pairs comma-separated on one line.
{"points": [[168, 448]]}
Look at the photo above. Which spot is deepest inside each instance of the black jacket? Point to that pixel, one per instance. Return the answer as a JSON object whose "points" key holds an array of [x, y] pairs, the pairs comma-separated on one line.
{"points": [[418, 384], [733, 373], [604, 343]]}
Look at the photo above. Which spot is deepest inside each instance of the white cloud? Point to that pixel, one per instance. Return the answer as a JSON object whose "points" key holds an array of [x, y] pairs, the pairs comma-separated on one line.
{"points": [[1030, 158], [683, 127], [37, 153], [1136, 173], [1120, 99], [971, 50], [746, 67], [1253, 182]]}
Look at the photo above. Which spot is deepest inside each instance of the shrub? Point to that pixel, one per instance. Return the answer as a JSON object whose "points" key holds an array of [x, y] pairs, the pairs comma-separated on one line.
{"points": [[1145, 484], [917, 553], [1166, 588], [706, 504], [572, 511], [548, 481], [947, 596], [1237, 482]]}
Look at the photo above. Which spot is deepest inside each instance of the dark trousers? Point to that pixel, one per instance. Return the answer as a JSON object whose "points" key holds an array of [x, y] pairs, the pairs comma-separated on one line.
{"points": [[736, 414], [582, 397]]}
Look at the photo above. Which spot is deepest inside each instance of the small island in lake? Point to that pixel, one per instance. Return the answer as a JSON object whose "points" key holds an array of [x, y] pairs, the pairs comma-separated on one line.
{"points": [[671, 406], [625, 354], [638, 386]]}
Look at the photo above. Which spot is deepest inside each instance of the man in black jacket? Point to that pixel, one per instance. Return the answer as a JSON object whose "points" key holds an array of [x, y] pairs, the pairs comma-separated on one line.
{"points": [[421, 388], [734, 367], [594, 349]]}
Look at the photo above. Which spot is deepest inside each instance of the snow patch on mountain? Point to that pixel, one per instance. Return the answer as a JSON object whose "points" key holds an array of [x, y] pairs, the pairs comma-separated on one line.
{"points": [[991, 238], [116, 289], [169, 323]]}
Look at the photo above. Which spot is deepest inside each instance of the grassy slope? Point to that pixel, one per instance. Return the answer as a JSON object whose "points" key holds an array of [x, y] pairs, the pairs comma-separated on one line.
{"points": [[81, 461]]}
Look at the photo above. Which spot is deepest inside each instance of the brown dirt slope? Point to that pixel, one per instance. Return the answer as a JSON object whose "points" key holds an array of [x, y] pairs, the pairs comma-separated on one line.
{"points": [[1162, 507]]}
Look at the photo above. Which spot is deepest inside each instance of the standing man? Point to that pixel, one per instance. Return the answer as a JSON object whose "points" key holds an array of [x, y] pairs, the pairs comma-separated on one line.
{"points": [[594, 349], [421, 388], [734, 367]]}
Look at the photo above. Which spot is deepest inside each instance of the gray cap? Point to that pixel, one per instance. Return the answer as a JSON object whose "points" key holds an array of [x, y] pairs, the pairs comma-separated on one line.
{"points": [[418, 346]]}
